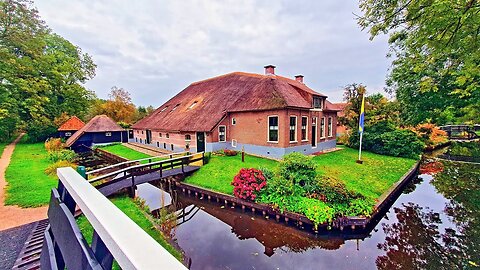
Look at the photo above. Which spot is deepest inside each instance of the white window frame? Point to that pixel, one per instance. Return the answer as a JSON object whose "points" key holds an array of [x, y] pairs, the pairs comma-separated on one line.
{"points": [[188, 140], [234, 143], [295, 128], [268, 129], [330, 126], [68, 134], [234, 121], [306, 129], [324, 126], [108, 134], [224, 135]]}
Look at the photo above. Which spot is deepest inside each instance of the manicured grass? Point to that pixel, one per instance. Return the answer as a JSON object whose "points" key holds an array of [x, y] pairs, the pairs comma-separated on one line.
{"points": [[219, 172], [372, 178], [134, 212], [28, 185], [124, 152]]}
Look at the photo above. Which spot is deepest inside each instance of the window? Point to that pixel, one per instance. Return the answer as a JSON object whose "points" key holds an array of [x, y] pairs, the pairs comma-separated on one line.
{"points": [[171, 146], [304, 128], [68, 134], [234, 121], [136, 139], [141, 140], [142, 131], [108, 134], [188, 137], [273, 128], [317, 102], [167, 135], [166, 107], [138, 131], [165, 145], [293, 129], [221, 133], [193, 105], [160, 135], [176, 106], [158, 144], [234, 143], [322, 128], [330, 128]]}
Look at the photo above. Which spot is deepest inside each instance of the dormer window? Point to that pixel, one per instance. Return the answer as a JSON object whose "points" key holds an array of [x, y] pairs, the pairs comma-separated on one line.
{"points": [[166, 107], [193, 105], [317, 102], [176, 106]]}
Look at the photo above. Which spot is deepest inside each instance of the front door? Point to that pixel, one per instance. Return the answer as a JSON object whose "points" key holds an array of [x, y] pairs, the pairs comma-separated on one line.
{"points": [[200, 142], [314, 132], [149, 136]]}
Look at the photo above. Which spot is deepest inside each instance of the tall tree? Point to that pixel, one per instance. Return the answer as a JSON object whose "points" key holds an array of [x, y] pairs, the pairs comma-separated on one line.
{"points": [[436, 45], [119, 106], [41, 73]]}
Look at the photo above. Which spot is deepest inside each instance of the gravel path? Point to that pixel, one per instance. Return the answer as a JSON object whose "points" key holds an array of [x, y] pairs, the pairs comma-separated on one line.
{"points": [[10, 215]]}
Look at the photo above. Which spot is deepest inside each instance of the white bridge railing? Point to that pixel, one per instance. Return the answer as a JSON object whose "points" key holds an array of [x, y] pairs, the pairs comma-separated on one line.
{"points": [[120, 237]]}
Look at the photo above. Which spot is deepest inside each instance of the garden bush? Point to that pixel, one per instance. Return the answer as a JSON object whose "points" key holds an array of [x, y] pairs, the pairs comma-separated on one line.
{"points": [[298, 168], [332, 190], [247, 183], [385, 139], [52, 168], [67, 155], [229, 153], [469, 149], [54, 144], [430, 134]]}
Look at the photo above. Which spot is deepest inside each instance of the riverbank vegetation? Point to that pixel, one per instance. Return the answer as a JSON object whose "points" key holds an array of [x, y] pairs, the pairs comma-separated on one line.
{"points": [[468, 149], [138, 215], [321, 187]]}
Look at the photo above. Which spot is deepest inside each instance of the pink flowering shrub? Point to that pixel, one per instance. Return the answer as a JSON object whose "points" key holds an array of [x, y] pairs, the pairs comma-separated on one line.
{"points": [[247, 183]]}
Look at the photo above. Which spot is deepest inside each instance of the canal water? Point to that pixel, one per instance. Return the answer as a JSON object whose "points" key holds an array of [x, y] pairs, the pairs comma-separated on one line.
{"points": [[434, 224]]}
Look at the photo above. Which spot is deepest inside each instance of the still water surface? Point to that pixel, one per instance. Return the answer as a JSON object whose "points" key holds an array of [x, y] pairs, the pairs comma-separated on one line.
{"points": [[434, 224]]}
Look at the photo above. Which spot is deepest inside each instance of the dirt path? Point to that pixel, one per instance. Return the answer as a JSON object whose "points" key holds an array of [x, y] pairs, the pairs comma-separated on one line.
{"points": [[12, 216]]}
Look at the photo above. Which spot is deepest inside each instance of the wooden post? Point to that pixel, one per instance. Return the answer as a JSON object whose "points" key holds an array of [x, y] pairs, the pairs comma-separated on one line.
{"points": [[243, 153]]}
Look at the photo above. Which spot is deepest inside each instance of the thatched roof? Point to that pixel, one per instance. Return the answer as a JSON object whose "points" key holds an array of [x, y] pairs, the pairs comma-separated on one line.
{"points": [[201, 105], [99, 123]]}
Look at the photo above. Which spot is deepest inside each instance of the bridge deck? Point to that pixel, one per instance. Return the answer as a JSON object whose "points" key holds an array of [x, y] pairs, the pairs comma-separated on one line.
{"points": [[112, 188]]}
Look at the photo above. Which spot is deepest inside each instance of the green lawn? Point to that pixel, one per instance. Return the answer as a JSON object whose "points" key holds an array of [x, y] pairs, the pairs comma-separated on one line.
{"points": [[134, 212], [372, 178], [375, 176], [219, 172], [28, 185], [124, 152]]}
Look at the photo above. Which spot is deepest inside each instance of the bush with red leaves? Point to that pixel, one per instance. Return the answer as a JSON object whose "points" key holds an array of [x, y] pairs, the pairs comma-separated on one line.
{"points": [[230, 153], [247, 183]]}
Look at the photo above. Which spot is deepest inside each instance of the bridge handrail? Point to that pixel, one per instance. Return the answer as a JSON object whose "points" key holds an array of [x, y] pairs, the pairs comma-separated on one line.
{"points": [[124, 170], [130, 245], [132, 161]]}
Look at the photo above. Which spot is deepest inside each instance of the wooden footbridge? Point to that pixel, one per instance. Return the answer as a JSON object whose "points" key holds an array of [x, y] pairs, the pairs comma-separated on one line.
{"points": [[462, 132]]}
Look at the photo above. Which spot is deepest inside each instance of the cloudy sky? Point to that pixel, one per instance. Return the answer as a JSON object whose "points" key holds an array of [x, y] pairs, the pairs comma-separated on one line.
{"points": [[155, 49]]}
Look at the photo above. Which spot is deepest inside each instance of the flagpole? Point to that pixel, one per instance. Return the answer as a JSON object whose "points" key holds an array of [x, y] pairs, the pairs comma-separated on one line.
{"points": [[360, 148], [360, 129]]}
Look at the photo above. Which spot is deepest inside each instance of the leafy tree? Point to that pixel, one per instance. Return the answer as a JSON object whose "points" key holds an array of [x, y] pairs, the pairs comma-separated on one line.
{"points": [[437, 51], [41, 73], [119, 106], [353, 96]]}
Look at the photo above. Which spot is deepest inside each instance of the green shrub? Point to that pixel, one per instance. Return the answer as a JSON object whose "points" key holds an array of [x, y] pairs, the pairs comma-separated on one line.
{"points": [[207, 157], [332, 190], [298, 168], [385, 139], [38, 131], [360, 207], [470, 149], [52, 168], [267, 173], [67, 155]]}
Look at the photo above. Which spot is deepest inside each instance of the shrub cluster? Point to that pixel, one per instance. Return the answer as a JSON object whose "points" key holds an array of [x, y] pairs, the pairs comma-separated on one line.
{"points": [[430, 134], [469, 149], [59, 156], [229, 153], [386, 139], [247, 183]]}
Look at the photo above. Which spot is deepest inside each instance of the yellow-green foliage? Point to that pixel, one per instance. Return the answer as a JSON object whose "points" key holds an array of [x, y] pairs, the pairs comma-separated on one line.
{"points": [[52, 168]]}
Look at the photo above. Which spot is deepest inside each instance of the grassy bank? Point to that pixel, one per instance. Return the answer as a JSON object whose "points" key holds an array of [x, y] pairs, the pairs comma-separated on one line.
{"points": [[219, 172], [124, 152], [134, 212], [372, 178], [28, 185]]}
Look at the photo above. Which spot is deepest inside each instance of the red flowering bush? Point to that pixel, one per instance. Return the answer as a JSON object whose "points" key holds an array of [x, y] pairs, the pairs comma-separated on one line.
{"points": [[247, 183], [229, 153]]}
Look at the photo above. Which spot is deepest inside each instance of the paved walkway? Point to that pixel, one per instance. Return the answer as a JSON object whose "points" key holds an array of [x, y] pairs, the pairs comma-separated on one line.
{"points": [[10, 215]]}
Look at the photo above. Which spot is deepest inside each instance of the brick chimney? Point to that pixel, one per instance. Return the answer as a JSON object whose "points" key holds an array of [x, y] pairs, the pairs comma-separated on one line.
{"points": [[270, 70], [299, 78]]}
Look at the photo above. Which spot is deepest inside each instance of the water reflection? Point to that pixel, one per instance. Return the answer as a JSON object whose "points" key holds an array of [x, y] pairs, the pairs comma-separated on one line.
{"points": [[434, 224]]}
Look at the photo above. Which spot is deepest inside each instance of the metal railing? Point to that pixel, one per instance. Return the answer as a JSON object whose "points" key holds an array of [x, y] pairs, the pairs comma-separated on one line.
{"points": [[116, 237], [141, 169], [130, 162]]}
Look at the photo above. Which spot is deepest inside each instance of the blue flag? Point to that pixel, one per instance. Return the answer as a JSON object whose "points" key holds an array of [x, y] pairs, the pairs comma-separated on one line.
{"points": [[362, 116]]}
